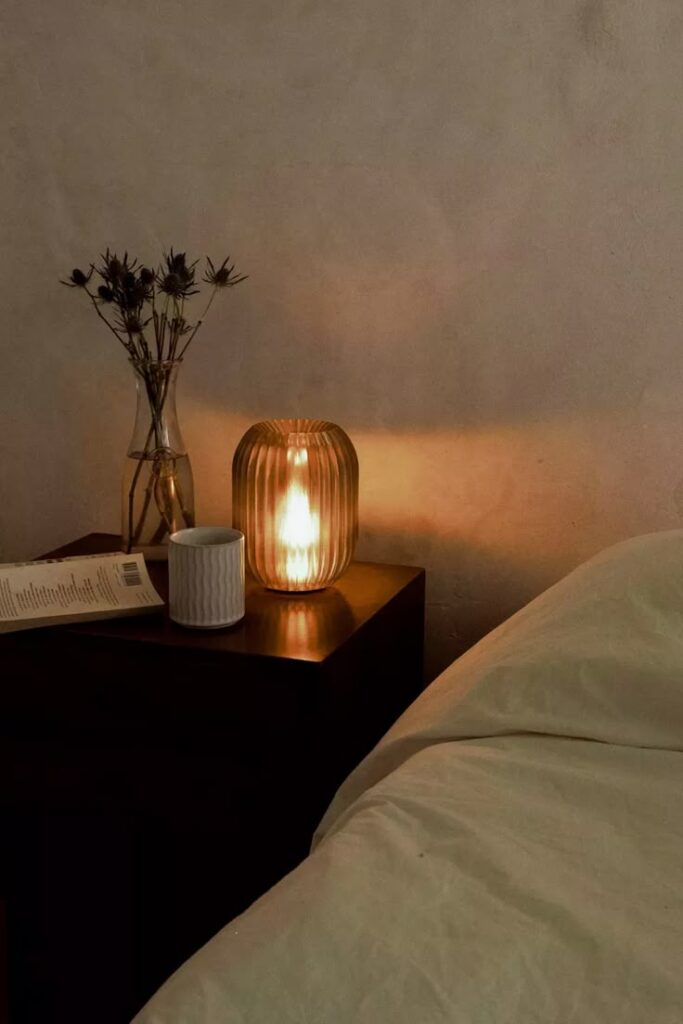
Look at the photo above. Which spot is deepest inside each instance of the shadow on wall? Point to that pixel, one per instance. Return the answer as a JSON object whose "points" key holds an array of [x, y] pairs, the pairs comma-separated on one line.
{"points": [[470, 589]]}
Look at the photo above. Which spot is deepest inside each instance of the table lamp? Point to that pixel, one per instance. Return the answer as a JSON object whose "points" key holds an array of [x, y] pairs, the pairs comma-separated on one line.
{"points": [[295, 499]]}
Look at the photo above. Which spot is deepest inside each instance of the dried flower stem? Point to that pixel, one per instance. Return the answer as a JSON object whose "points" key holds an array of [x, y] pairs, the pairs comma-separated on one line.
{"points": [[116, 334], [199, 323]]}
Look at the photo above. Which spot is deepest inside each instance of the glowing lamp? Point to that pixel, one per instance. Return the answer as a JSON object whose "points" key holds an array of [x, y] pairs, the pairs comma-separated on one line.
{"points": [[295, 499]]}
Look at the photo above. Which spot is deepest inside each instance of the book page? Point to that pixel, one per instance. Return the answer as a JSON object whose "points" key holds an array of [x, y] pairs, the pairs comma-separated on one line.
{"points": [[74, 589]]}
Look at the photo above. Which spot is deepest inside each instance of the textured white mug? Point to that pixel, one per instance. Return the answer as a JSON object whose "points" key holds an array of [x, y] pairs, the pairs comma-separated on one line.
{"points": [[206, 577]]}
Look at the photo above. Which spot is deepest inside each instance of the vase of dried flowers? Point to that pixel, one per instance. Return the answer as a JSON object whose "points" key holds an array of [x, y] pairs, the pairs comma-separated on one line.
{"points": [[146, 311]]}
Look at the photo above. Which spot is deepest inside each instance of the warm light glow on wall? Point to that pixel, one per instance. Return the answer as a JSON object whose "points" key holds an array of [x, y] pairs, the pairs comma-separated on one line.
{"points": [[295, 498]]}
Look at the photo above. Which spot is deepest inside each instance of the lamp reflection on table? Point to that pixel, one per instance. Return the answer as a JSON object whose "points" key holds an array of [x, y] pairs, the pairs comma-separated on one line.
{"points": [[299, 626]]}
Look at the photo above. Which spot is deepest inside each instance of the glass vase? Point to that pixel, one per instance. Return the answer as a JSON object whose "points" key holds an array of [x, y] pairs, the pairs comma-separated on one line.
{"points": [[158, 492]]}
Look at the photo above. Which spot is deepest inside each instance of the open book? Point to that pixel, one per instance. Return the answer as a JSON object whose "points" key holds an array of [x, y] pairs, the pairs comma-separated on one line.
{"points": [[76, 589]]}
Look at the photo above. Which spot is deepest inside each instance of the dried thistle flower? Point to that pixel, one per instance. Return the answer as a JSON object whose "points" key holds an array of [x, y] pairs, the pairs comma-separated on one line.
{"points": [[222, 277], [178, 279], [141, 297], [112, 269], [78, 279]]}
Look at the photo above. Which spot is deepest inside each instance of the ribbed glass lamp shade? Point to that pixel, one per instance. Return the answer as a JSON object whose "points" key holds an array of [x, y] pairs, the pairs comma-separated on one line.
{"points": [[295, 499]]}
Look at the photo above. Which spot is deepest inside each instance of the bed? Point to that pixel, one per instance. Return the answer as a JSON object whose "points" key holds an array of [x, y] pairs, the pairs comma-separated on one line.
{"points": [[512, 851]]}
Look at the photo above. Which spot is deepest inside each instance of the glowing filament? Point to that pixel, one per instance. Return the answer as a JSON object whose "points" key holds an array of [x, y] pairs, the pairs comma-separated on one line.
{"points": [[298, 533]]}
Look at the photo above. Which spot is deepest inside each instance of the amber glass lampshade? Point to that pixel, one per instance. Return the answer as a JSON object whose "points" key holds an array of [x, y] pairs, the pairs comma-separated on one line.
{"points": [[295, 499]]}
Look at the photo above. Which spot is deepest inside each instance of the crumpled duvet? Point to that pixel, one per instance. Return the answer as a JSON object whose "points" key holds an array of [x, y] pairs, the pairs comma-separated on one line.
{"points": [[512, 851]]}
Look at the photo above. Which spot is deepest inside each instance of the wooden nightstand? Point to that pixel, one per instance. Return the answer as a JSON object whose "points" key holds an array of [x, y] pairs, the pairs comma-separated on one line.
{"points": [[156, 780]]}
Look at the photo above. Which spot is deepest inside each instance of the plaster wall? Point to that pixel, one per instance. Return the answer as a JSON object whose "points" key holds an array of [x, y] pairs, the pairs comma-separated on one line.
{"points": [[463, 226]]}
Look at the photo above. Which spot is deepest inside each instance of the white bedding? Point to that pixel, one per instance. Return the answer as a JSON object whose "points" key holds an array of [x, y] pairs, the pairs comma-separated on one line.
{"points": [[513, 849]]}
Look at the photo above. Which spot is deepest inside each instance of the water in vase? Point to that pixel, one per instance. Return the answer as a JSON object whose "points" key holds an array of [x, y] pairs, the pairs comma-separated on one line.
{"points": [[157, 499]]}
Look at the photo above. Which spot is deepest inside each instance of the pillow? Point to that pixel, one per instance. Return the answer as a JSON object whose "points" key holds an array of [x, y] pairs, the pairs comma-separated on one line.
{"points": [[598, 656]]}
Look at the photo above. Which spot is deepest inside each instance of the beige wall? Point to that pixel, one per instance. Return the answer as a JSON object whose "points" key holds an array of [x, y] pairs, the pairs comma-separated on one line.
{"points": [[462, 222]]}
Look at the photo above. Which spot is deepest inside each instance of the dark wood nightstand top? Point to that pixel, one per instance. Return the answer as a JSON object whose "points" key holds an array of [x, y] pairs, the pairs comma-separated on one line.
{"points": [[300, 627]]}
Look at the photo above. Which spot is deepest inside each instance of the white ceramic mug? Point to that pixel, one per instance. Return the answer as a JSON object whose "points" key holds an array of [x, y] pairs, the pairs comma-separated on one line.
{"points": [[206, 577]]}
